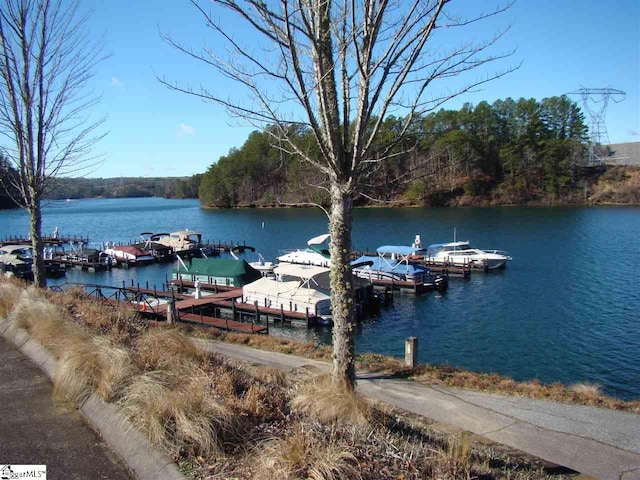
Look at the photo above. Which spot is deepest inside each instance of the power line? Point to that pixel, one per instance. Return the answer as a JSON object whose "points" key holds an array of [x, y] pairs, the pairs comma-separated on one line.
{"points": [[595, 102]]}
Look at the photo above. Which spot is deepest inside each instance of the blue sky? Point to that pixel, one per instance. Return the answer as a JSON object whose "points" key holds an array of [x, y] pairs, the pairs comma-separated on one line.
{"points": [[153, 131]]}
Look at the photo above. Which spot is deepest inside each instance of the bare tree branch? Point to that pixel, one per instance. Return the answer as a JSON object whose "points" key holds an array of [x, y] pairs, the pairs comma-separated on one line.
{"points": [[46, 62], [340, 68]]}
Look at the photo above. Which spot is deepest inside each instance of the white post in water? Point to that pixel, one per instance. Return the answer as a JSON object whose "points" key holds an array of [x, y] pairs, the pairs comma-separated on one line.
{"points": [[411, 352], [197, 293]]}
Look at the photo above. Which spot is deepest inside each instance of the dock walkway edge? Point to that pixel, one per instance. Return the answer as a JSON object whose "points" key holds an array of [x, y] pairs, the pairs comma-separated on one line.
{"points": [[146, 461]]}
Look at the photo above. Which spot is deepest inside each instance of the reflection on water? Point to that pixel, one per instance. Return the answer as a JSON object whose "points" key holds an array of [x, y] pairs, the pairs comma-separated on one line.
{"points": [[566, 308]]}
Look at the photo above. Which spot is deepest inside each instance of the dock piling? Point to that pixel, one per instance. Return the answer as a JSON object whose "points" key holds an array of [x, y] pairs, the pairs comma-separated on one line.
{"points": [[411, 352]]}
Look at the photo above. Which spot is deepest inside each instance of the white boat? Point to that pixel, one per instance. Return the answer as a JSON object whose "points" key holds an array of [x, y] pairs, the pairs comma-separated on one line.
{"points": [[182, 242], [295, 288], [17, 260], [316, 253], [129, 254], [265, 268], [462, 253]]}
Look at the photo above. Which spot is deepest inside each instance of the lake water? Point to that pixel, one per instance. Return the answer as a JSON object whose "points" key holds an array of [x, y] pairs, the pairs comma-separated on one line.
{"points": [[566, 309]]}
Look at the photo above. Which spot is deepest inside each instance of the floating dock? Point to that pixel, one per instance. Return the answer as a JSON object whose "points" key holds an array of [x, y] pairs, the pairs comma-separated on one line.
{"points": [[46, 240]]}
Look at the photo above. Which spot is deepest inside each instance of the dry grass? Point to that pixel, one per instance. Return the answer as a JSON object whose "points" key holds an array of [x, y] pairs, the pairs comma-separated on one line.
{"points": [[435, 374], [46, 323], [10, 292], [214, 416], [301, 454], [91, 365], [587, 391], [489, 382], [178, 412], [121, 324], [328, 402], [280, 345], [454, 461], [166, 349]]}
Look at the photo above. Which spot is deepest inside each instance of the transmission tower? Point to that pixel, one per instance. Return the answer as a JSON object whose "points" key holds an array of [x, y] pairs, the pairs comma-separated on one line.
{"points": [[595, 102]]}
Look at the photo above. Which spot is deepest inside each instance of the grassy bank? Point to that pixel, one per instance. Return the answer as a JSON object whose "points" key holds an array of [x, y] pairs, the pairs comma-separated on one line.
{"points": [[221, 420], [580, 394]]}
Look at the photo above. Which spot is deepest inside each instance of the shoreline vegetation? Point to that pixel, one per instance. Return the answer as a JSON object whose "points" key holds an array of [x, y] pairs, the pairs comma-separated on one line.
{"points": [[221, 419], [510, 152]]}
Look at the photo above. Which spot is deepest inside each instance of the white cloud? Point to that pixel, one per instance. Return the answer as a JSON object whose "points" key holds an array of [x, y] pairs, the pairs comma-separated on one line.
{"points": [[116, 82], [185, 129]]}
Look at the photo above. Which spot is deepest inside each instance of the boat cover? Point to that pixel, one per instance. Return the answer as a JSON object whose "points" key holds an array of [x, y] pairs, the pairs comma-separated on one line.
{"points": [[300, 271], [319, 239], [287, 294], [451, 244], [238, 270], [398, 250], [378, 264]]}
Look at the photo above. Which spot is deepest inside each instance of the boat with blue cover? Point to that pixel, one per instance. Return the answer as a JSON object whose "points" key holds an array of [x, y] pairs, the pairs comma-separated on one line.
{"points": [[393, 265]]}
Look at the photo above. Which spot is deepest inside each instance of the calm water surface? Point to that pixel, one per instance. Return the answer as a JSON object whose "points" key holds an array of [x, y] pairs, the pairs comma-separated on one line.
{"points": [[566, 309]]}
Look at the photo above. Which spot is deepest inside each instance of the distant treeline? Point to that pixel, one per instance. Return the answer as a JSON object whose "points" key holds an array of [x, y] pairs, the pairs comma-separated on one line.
{"points": [[63, 188], [169, 187], [511, 151], [508, 152]]}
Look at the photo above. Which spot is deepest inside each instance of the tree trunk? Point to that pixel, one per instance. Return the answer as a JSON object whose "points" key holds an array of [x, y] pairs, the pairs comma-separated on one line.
{"points": [[340, 223], [35, 230]]}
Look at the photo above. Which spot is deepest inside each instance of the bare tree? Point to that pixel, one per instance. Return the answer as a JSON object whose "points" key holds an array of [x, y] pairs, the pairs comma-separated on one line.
{"points": [[339, 69], [46, 60]]}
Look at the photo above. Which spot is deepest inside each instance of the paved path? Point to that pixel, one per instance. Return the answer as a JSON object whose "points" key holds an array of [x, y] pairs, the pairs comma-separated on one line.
{"points": [[34, 431], [594, 441]]}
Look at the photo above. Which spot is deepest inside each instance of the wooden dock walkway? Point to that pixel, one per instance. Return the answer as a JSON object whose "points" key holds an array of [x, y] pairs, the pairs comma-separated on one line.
{"points": [[226, 300], [207, 300], [47, 240], [224, 324]]}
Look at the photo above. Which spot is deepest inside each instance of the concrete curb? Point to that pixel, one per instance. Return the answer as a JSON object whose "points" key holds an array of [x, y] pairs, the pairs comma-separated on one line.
{"points": [[143, 459]]}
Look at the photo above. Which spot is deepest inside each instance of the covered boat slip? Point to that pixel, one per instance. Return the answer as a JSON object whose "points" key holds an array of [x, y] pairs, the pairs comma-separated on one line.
{"points": [[217, 271], [297, 288]]}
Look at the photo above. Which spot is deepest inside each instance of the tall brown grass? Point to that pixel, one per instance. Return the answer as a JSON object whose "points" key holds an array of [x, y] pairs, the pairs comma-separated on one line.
{"points": [[46, 323], [328, 402], [302, 455], [10, 292], [91, 364], [179, 412], [164, 349]]}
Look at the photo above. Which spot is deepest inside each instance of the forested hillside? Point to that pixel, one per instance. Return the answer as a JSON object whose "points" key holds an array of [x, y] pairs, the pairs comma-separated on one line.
{"points": [[124, 187], [506, 152]]}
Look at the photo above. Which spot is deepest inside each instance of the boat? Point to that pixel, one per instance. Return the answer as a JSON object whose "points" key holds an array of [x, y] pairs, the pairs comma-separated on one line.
{"points": [[295, 288], [17, 260], [229, 272], [462, 253], [265, 268], [84, 256], [316, 253], [185, 243], [129, 255], [162, 253], [393, 265]]}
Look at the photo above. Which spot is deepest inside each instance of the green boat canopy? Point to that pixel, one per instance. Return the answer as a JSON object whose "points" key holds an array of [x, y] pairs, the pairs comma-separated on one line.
{"points": [[236, 272]]}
